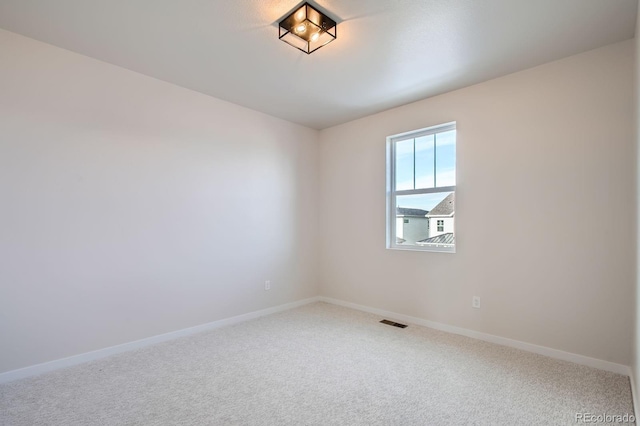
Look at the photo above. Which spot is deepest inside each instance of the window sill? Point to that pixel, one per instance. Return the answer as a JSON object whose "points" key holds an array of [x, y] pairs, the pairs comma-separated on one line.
{"points": [[427, 249]]}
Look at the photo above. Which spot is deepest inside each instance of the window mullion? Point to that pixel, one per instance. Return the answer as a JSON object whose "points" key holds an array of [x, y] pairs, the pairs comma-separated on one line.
{"points": [[414, 163], [435, 184]]}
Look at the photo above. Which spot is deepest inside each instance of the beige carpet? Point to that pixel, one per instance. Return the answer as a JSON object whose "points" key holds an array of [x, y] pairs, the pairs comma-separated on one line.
{"points": [[317, 365]]}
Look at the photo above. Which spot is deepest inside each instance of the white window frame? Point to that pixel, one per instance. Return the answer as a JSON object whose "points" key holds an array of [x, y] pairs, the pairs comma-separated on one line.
{"points": [[392, 193]]}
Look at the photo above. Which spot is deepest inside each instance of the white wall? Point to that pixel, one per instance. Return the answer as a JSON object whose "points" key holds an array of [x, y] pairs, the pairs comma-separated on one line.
{"points": [[550, 148], [132, 207]]}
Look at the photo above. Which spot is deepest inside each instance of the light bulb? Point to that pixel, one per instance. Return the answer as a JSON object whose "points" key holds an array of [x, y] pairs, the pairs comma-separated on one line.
{"points": [[315, 37], [301, 28]]}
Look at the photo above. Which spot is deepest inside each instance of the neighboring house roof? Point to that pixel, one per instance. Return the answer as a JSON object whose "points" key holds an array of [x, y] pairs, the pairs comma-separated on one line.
{"points": [[400, 240], [404, 211], [447, 238], [444, 207]]}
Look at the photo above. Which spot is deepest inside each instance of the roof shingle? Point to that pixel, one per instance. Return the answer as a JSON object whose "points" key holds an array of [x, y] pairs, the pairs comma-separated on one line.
{"points": [[404, 211], [444, 207]]}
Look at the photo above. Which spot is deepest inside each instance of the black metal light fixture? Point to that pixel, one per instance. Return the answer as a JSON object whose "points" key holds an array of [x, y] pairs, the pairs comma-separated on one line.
{"points": [[307, 29]]}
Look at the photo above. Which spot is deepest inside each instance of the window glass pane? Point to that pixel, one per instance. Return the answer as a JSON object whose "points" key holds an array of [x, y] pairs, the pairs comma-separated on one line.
{"points": [[424, 162], [446, 158], [404, 165], [425, 220]]}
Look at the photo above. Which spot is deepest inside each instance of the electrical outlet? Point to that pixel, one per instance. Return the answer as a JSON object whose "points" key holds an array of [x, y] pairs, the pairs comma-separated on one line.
{"points": [[475, 302], [267, 285]]}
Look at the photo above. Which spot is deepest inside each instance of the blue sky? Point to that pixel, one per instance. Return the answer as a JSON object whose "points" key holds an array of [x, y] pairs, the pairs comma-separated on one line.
{"points": [[423, 150]]}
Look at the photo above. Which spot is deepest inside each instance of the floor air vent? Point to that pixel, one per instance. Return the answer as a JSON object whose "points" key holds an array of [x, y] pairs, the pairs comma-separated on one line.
{"points": [[395, 324]]}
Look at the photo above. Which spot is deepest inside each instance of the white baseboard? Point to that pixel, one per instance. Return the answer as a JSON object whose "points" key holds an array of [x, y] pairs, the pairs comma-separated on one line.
{"points": [[102, 353], [634, 393], [542, 350], [112, 350]]}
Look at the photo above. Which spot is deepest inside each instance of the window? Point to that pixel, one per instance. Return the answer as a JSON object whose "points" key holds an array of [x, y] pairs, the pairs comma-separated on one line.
{"points": [[421, 184]]}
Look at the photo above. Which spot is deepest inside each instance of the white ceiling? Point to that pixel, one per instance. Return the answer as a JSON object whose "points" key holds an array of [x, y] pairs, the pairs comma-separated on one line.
{"points": [[388, 52]]}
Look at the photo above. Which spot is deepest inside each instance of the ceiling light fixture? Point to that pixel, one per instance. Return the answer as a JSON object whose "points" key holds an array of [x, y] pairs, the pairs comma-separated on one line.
{"points": [[307, 29]]}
